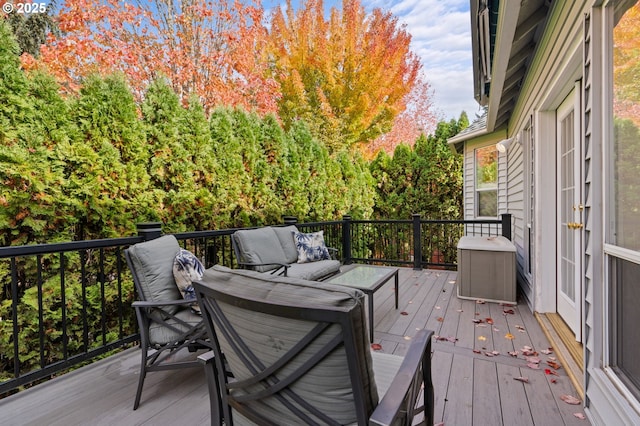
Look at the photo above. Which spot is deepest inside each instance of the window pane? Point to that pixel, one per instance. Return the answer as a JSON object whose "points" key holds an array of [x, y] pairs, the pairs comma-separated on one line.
{"points": [[486, 167], [626, 144], [487, 203], [626, 284]]}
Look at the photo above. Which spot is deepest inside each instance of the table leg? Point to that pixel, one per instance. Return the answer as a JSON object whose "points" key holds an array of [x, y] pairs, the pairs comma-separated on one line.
{"points": [[396, 282]]}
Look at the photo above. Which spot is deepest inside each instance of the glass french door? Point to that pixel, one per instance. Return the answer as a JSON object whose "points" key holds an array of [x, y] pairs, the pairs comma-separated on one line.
{"points": [[570, 210]]}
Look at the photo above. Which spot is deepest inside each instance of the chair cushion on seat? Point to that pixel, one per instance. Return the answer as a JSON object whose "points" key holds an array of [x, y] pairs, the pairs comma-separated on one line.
{"points": [[153, 263], [285, 235], [314, 270], [160, 334], [311, 247], [260, 246], [326, 385]]}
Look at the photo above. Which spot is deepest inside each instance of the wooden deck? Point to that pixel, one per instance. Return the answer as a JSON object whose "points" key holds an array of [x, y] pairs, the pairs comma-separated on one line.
{"points": [[474, 375]]}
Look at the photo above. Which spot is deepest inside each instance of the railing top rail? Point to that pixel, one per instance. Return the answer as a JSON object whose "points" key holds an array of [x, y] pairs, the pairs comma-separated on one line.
{"points": [[35, 249], [448, 221]]}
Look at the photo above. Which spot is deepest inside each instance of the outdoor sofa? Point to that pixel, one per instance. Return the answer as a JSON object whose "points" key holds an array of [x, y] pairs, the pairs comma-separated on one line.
{"points": [[284, 250]]}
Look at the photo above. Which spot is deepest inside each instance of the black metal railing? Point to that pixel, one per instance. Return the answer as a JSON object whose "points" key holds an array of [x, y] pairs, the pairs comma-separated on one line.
{"points": [[65, 304]]}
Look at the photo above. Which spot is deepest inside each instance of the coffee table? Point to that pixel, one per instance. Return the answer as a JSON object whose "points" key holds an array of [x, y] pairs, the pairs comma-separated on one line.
{"points": [[368, 278]]}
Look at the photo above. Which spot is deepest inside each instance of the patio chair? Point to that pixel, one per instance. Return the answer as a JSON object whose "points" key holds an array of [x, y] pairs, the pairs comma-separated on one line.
{"points": [[299, 354], [166, 322]]}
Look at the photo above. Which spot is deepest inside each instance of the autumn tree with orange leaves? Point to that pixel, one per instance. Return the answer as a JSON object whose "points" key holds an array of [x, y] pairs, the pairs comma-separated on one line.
{"points": [[211, 49], [626, 66], [348, 76]]}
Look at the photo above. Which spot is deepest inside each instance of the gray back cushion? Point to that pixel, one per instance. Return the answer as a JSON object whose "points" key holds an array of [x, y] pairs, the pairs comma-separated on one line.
{"points": [[260, 246], [285, 235], [153, 264], [327, 385]]}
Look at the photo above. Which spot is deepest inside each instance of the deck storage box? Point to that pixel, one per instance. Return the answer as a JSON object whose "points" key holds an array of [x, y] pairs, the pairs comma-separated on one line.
{"points": [[487, 269]]}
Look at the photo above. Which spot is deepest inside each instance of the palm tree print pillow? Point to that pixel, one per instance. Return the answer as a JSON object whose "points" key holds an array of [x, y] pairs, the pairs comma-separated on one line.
{"points": [[311, 247]]}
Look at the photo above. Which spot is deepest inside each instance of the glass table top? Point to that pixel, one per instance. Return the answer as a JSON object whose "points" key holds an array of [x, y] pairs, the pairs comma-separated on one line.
{"points": [[363, 276]]}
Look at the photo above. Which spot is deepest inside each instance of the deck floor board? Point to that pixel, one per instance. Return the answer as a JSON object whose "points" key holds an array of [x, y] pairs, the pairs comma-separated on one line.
{"points": [[473, 384]]}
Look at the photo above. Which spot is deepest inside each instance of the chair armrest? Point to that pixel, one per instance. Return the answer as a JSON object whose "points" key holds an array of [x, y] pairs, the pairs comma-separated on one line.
{"points": [[160, 303], [408, 380]]}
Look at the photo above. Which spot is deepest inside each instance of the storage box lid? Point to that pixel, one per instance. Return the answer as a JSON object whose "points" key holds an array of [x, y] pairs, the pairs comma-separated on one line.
{"points": [[486, 243]]}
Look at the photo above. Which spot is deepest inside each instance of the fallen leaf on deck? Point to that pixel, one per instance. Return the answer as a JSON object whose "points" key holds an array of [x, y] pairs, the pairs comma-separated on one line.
{"points": [[508, 311], [482, 338], [476, 351], [452, 339], [550, 372], [489, 354], [495, 352], [489, 321], [570, 399], [533, 366], [509, 336], [554, 365], [376, 346], [439, 424], [480, 302], [407, 337], [580, 416], [404, 313], [452, 282], [437, 307], [513, 353], [459, 310], [533, 359], [439, 319], [522, 379], [547, 351], [477, 321], [554, 381]]}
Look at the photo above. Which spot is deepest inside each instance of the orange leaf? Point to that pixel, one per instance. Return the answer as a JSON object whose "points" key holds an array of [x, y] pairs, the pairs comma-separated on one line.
{"points": [[509, 336], [572, 400], [376, 346]]}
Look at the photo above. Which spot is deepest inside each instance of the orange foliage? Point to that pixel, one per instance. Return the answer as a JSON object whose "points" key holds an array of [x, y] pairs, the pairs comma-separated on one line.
{"points": [[211, 49], [348, 76], [626, 65], [417, 118]]}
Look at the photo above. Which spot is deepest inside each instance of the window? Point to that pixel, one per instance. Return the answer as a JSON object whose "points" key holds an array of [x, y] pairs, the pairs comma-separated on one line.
{"points": [[623, 237], [487, 181]]}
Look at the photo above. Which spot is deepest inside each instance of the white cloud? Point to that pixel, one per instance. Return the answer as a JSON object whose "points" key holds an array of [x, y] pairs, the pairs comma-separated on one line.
{"points": [[441, 37]]}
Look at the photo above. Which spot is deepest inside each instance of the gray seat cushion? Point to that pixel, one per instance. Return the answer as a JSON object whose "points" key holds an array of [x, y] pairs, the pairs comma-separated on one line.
{"points": [[161, 334], [153, 264], [314, 270], [327, 385], [260, 246]]}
